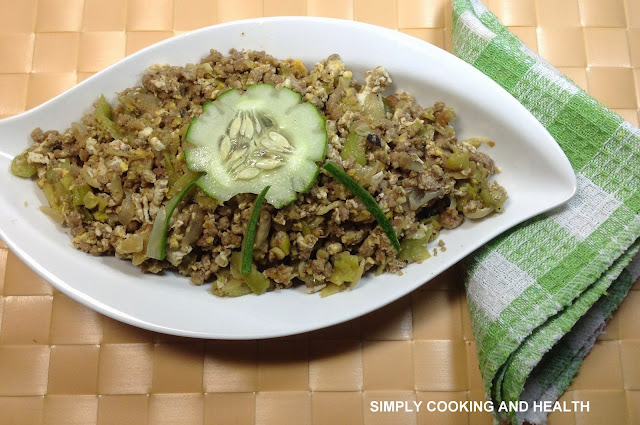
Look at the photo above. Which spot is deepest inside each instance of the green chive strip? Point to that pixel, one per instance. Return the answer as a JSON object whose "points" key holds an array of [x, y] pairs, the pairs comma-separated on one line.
{"points": [[158, 239], [250, 236], [366, 198]]}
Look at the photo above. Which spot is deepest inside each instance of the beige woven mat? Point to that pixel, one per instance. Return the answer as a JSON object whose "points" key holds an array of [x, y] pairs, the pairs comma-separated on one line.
{"points": [[61, 363]]}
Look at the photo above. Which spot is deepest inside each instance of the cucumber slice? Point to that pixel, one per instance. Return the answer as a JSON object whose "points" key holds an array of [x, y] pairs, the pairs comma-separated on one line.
{"points": [[262, 137]]}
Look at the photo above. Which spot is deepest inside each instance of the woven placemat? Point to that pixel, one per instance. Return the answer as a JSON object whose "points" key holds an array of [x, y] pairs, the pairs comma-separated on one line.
{"points": [[61, 363]]}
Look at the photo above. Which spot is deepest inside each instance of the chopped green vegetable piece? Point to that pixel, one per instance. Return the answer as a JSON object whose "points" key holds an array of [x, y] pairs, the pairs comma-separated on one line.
{"points": [[281, 241], [51, 175], [366, 198], [303, 227], [387, 107], [103, 109], [499, 197], [355, 147], [64, 164], [67, 181], [170, 169], [346, 268], [486, 198], [235, 263], [255, 280], [104, 117], [54, 214], [117, 191], [50, 194], [78, 194], [457, 161], [100, 216], [374, 106], [90, 200], [20, 167], [285, 245], [250, 236], [86, 214], [230, 287], [414, 250], [158, 239], [343, 82], [380, 269], [331, 289], [206, 201], [102, 203], [61, 190]]}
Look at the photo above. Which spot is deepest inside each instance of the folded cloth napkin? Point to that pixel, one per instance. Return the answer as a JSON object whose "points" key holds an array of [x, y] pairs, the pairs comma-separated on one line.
{"points": [[539, 295]]}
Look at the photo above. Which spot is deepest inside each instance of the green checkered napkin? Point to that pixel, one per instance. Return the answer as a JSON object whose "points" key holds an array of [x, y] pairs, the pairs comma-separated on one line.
{"points": [[539, 295]]}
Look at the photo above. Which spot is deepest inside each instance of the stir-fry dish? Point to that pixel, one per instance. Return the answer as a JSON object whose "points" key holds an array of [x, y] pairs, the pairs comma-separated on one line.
{"points": [[253, 173]]}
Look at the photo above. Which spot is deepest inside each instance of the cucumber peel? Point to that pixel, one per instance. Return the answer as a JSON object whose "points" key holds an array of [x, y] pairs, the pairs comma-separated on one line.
{"points": [[366, 198], [250, 236], [157, 244]]}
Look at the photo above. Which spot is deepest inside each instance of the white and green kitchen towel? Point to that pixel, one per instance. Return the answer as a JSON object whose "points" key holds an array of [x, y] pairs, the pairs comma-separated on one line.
{"points": [[539, 295]]}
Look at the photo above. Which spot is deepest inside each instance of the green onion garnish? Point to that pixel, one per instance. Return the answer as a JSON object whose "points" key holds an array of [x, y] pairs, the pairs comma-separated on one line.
{"points": [[158, 239], [250, 236], [366, 198]]}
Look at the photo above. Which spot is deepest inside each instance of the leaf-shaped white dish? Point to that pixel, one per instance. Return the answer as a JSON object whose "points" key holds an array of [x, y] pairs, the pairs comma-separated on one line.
{"points": [[536, 174]]}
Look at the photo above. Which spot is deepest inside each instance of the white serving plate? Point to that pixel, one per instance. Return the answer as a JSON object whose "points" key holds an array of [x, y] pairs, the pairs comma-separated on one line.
{"points": [[536, 174]]}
